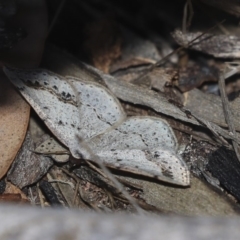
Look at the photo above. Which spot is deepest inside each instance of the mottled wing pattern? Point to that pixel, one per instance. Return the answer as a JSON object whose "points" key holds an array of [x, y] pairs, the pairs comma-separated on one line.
{"points": [[142, 145], [90, 121], [53, 99], [99, 110]]}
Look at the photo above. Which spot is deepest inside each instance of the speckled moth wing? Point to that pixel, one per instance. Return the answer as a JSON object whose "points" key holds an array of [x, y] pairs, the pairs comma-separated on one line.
{"points": [[162, 164], [69, 108], [99, 109], [52, 98], [142, 145], [137, 133]]}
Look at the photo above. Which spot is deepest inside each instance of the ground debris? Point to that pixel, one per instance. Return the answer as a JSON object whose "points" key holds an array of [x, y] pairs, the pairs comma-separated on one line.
{"points": [[126, 108]]}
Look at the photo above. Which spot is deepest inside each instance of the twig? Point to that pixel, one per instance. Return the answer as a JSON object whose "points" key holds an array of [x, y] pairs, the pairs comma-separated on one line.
{"points": [[184, 22], [32, 198], [76, 192], [95, 169], [213, 128], [187, 19]]}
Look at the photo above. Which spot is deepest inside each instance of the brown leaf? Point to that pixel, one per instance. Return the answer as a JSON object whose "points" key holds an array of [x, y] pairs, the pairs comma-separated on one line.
{"points": [[14, 113], [13, 194]]}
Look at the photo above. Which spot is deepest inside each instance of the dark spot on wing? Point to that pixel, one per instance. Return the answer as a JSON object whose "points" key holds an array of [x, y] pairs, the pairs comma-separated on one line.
{"points": [[60, 123], [167, 173]]}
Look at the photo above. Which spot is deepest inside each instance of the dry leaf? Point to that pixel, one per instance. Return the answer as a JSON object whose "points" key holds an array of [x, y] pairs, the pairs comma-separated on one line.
{"points": [[14, 118], [28, 167], [220, 46], [11, 189], [14, 111]]}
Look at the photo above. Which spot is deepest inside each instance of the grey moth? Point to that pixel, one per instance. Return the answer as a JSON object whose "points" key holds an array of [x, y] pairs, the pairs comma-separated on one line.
{"points": [[88, 119]]}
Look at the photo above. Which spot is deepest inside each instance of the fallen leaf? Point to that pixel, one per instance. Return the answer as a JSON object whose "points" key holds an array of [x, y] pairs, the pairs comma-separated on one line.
{"points": [[28, 167], [220, 46], [14, 111], [13, 190], [14, 118]]}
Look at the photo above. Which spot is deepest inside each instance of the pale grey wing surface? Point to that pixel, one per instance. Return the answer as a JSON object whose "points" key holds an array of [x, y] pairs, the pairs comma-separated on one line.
{"points": [[137, 133], [161, 164], [54, 101], [143, 145], [99, 110], [71, 110]]}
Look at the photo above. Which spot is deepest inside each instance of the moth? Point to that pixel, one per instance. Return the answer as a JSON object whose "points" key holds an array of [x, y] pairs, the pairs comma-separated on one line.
{"points": [[90, 121]]}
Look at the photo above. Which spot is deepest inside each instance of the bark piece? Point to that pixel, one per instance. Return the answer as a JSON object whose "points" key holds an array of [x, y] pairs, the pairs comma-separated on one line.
{"points": [[195, 75], [49, 193], [224, 165], [28, 167], [202, 104]]}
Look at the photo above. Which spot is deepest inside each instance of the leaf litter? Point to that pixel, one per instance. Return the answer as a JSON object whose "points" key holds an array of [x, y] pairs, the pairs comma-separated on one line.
{"points": [[135, 94], [145, 146], [166, 106]]}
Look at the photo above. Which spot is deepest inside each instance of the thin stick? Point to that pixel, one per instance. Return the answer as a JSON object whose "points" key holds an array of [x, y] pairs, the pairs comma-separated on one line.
{"points": [[185, 13], [76, 192], [188, 7], [40, 196], [191, 13]]}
